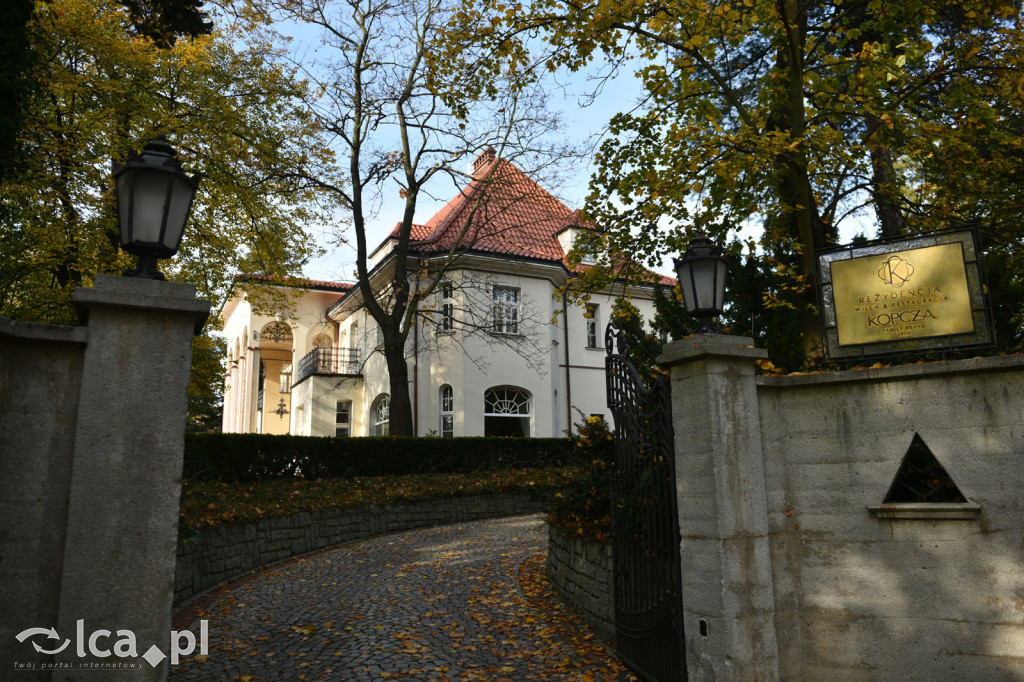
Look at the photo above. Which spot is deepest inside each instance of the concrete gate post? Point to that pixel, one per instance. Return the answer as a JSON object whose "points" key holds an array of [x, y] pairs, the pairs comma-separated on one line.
{"points": [[728, 600], [119, 551]]}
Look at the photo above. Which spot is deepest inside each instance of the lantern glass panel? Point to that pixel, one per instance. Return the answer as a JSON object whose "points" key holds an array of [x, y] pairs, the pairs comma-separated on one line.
{"points": [[686, 285], [148, 206], [177, 213], [721, 269], [704, 281]]}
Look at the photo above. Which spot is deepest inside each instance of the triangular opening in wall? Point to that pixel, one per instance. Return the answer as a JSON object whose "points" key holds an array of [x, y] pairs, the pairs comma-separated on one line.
{"points": [[921, 478]]}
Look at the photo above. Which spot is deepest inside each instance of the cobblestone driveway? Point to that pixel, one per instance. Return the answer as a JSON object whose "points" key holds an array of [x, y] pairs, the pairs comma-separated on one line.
{"points": [[450, 603]]}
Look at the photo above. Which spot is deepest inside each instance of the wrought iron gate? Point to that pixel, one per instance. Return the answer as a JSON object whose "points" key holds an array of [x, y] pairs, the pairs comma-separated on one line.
{"points": [[645, 526]]}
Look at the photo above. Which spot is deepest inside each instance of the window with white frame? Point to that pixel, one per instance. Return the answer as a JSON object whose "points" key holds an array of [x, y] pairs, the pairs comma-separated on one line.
{"points": [[447, 307], [286, 379], [506, 310], [507, 411], [446, 412], [343, 419], [380, 415], [592, 316]]}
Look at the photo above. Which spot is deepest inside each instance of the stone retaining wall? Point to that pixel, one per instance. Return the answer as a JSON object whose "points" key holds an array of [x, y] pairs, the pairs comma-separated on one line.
{"points": [[217, 555], [581, 571], [797, 564]]}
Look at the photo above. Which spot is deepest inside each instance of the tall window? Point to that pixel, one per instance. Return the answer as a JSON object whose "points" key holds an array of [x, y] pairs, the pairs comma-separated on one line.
{"points": [[507, 411], [343, 418], [506, 310], [447, 307], [593, 324], [446, 412], [380, 415]]}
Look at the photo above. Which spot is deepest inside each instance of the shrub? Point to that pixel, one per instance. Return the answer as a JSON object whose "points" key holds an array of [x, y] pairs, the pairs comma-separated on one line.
{"points": [[212, 503], [245, 457], [583, 507]]}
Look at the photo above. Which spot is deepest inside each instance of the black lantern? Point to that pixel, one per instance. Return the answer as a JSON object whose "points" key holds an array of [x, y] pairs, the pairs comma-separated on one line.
{"points": [[154, 197], [702, 272]]}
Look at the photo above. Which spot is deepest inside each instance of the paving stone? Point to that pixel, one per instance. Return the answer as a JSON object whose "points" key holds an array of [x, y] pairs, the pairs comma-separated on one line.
{"points": [[431, 604]]}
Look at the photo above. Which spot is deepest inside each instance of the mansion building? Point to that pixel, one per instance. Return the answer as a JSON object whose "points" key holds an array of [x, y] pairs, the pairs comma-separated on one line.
{"points": [[497, 350]]}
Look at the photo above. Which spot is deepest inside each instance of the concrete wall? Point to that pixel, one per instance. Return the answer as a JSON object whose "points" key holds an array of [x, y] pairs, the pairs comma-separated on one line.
{"points": [[217, 555], [861, 597], [792, 574], [40, 379], [581, 571], [92, 437]]}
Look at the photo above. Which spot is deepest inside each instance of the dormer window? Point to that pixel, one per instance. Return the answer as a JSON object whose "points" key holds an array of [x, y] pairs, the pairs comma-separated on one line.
{"points": [[567, 237]]}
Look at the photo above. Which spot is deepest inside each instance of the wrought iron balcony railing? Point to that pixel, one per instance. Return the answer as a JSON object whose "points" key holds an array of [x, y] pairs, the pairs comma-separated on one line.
{"points": [[328, 361]]}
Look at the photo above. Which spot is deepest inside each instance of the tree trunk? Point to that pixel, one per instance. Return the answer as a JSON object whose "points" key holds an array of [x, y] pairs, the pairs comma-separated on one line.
{"points": [[401, 421], [794, 187], [884, 190]]}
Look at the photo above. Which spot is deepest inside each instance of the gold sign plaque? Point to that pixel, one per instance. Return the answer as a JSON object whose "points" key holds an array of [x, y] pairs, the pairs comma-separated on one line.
{"points": [[902, 295]]}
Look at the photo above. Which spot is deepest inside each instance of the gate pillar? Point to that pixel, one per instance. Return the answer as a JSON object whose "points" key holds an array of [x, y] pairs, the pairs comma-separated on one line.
{"points": [[728, 598]]}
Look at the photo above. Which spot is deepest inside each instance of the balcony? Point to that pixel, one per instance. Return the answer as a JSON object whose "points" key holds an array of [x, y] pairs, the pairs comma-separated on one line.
{"points": [[328, 362]]}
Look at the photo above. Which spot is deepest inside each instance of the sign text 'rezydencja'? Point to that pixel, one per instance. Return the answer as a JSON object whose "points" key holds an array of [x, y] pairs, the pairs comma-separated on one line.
{"points": [[903, 295]]}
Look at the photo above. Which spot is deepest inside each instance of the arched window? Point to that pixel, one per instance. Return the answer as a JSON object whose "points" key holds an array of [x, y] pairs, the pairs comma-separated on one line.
{"points": [[507, 411], [322, 341], [446, 412], [380, 415]]}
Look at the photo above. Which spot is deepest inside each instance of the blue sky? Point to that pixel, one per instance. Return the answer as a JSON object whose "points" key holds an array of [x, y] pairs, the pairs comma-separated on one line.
{"points": [[581, 125]]}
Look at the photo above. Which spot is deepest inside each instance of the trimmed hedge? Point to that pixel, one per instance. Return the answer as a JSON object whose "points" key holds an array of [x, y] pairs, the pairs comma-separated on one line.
{"points": [[242, 457]]}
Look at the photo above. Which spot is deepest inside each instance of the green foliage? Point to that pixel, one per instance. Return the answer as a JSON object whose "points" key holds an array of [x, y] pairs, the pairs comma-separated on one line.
{"points": [[1006, 294], [671, 321], [644, 347], [795, 117], [247, 457], [101, 93], [206, 383], [776, 328], [583, 506], [164, 21], [212, 503]]}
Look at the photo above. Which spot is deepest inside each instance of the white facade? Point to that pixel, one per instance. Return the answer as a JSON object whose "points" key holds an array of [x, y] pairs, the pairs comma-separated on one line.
{"points": [[557, 366], [257, 342], [497, 350]]}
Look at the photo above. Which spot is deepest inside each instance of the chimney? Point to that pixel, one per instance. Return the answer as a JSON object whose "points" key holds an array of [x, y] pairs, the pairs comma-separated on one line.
{"points": [[484, 160]]}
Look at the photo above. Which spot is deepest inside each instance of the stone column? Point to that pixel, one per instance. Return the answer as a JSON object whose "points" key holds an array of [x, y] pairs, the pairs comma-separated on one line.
{"points": [[119, 552], [728, 598], [252, 423]]}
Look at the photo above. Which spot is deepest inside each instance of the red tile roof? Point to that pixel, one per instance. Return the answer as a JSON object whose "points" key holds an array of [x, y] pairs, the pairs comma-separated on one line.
{"points": [[504, 212]]}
